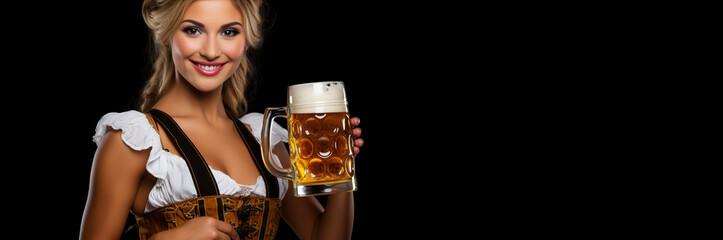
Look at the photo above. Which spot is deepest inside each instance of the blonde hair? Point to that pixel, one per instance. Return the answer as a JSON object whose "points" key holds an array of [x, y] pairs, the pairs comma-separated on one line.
{"points": [[162, 18]]}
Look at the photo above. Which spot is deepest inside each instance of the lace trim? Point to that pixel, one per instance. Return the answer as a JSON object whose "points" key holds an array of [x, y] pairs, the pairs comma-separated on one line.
{"points": [[245, 190]]}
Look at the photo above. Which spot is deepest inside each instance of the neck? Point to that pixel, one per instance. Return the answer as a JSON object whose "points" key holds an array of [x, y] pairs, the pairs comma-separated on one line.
{"points": [[184, 100]]}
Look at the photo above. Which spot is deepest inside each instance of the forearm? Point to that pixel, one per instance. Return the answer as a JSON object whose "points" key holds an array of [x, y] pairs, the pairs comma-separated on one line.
{"points": [[337, 220]]}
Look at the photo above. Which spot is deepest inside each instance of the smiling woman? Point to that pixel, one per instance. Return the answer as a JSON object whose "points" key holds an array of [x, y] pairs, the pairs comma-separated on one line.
{"points": [[188, 164]]}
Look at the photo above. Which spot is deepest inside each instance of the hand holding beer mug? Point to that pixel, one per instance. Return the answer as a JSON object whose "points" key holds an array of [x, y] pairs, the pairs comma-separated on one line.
{"points": [[320, 139]]}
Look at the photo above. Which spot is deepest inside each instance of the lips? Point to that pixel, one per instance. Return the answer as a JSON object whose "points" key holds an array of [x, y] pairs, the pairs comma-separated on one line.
{"points": [[208, 68]]}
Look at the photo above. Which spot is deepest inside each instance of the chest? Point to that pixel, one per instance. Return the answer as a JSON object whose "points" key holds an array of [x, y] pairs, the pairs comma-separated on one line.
{"points": [[221, 147]]}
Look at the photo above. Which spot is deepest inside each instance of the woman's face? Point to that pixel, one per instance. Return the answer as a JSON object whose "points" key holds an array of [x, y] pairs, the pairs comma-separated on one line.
{"points": [[208, 45]]}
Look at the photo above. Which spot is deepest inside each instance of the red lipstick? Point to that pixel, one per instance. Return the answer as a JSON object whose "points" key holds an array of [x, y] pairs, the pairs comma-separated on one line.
{"points": [[208, 68]]}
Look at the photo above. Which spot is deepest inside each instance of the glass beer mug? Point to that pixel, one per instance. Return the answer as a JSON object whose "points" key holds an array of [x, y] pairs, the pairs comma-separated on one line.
{"points": [[320, 139]]}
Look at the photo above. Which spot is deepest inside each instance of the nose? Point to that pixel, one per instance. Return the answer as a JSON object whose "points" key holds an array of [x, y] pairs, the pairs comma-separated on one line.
{"points": [[210, 49]]}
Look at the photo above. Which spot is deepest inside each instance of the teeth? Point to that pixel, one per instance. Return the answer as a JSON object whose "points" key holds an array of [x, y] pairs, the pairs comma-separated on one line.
{"points": [[208, 68]]}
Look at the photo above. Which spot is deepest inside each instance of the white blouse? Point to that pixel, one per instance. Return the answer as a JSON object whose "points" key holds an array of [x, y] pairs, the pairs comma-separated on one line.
{"points": [[174, 182]]}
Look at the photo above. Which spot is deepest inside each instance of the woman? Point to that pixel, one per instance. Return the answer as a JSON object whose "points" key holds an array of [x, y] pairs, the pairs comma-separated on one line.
{"points": [[198, 81]]}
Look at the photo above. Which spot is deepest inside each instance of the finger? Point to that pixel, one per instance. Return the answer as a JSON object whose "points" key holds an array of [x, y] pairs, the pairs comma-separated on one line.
{"points": [[358, 142], [355, 122], [356, 132], [227, 229]]}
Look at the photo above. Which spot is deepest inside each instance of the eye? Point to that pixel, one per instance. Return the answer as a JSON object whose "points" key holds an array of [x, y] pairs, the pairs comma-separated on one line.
{"points": [[229, 33], [192, 31]]}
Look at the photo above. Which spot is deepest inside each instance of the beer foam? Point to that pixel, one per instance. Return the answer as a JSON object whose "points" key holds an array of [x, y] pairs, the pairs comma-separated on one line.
{"points": [[317, 97]]}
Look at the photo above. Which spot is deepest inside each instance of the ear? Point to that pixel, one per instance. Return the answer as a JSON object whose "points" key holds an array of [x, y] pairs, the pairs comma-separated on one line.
{"points": [[246, 45]]}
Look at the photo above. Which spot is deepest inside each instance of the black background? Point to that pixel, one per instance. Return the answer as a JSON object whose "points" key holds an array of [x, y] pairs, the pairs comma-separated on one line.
{"points": [[90, 58]]}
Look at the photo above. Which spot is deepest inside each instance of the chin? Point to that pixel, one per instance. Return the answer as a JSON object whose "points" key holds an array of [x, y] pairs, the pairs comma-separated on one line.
{"points": [[207, 85]]}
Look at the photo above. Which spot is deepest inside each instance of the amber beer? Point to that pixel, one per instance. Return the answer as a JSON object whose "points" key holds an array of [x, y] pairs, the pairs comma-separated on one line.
{"points": [[320, 139]]}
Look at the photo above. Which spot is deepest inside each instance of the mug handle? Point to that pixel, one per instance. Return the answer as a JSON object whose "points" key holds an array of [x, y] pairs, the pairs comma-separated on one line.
{"points": [[276, 170]]}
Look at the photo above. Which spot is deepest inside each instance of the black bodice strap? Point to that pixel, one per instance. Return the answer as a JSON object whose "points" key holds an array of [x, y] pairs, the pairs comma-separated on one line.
{"points": [[201, 173], [272, 186]]}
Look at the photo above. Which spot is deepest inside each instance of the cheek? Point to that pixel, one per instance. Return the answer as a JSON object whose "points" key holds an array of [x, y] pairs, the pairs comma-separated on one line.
{"points": [[185, 46], [181, 48], [235, 49]]}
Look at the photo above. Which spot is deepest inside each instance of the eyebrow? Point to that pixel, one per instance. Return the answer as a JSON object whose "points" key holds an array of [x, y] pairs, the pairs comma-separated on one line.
{"points": [[204, 26], [195, 23], [231, 24]]}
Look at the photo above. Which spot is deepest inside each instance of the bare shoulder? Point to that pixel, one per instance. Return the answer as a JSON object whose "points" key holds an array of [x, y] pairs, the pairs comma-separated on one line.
{"points": [[111, 148]]}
